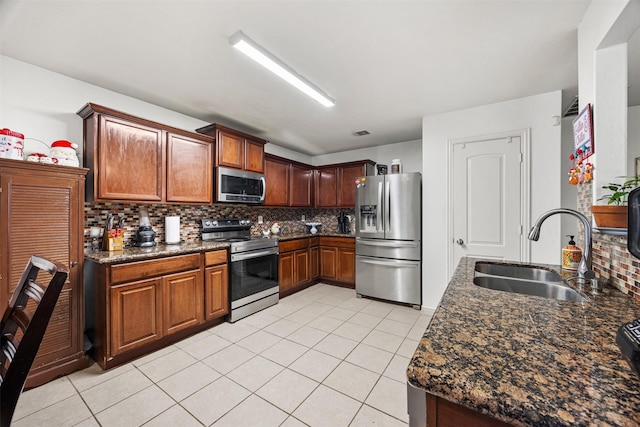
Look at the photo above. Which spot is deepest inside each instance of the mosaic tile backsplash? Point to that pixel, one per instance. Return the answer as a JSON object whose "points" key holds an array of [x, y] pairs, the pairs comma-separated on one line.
{"points": [[290, 219], [611, 259]]}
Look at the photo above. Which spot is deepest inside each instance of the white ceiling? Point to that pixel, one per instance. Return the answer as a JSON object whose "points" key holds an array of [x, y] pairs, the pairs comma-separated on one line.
{"points": [[387, 63]]}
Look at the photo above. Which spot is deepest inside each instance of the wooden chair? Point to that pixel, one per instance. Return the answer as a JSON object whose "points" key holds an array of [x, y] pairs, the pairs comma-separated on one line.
{"points": [[23, 328]]}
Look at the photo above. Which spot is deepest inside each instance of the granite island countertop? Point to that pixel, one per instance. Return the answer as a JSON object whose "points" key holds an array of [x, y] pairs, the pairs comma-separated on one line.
{"points": [[163, 250], [529, 360]]}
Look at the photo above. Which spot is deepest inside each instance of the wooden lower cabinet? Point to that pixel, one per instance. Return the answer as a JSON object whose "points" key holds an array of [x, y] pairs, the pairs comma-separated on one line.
{"points": [[328, 262], [293, 265], [442, 413], [308, 260], [141, 306], [182, 304], [338, 260], [136, 313], [314, 257], [216, 285], [285, 271]]}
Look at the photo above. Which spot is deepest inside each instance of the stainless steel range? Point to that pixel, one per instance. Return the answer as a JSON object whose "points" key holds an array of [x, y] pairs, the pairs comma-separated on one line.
{"points": [[253, 275]]}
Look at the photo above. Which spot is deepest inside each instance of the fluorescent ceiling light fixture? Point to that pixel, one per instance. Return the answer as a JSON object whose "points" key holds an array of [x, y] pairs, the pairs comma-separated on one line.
{"points": [[259, 54]]}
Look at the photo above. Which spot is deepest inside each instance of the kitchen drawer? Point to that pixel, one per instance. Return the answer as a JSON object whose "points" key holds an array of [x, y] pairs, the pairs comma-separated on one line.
{"points": [[338, 242], [293, 245], [157, 267], [215, 258], [394, 280]]}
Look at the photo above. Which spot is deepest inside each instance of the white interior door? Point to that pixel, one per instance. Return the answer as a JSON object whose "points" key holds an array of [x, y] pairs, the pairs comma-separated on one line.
{"points": [[487, 206]]}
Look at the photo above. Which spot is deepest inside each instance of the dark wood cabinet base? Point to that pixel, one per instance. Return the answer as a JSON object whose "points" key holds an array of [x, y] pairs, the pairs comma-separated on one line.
{"points": [[442, 413]]}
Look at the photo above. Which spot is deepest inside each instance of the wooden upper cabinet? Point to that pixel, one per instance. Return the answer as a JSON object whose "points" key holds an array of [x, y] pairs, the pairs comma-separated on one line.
{"points": [[230, 150], [288, 183], [254, 156], [334, 185], [326, 187], [276, 173], [235, 149], [346, 184], [129, 160], [301, 186], [133, 159], [189, 169]]}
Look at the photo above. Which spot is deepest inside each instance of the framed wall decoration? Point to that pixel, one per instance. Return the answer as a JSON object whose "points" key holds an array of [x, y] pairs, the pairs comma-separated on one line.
{"points": [[583, 145]]}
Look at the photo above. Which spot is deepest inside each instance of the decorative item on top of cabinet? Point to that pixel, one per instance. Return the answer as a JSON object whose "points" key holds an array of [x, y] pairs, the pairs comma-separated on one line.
{"points": [[42, 212], [235, 149], [133, 159], [289, 183], [334, 184]]}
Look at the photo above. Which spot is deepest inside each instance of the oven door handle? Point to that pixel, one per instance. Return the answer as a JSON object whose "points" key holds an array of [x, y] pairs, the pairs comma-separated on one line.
{"points": [[253, 254]]}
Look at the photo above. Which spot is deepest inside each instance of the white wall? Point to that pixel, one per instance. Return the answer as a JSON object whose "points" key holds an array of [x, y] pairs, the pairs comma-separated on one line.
{"points": [[42, 105], [633, 138], [410, 153], [602, 75], [277, 150], [569, 193], [534, 112]]}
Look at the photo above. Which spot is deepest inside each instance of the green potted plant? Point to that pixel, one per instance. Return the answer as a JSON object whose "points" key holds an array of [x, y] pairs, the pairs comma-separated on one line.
{"points": [[614, 213]]}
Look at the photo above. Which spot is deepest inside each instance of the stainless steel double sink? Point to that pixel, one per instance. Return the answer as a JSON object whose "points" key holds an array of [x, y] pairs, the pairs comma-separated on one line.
{"points": [[525, 279]]}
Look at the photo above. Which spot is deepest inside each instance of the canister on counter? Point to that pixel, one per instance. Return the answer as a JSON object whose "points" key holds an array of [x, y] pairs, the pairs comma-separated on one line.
{"points": [[396, 166]]}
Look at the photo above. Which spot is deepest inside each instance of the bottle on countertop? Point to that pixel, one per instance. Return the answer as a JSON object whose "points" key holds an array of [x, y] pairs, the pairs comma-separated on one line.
{"points": [[571, 255]]}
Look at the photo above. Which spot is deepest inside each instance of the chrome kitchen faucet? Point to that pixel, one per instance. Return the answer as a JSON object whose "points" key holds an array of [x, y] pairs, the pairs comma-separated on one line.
{"points": [[585, 273]]}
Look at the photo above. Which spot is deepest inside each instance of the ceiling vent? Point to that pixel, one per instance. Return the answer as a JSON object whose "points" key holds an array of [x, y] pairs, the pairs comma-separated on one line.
{"points": [[361, 133], [573, 109]]}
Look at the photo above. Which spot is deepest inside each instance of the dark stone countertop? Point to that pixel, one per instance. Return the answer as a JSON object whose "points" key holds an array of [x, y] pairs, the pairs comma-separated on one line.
{"points": [[293, 236], [164, 250], [158, 251], [529, 360]]}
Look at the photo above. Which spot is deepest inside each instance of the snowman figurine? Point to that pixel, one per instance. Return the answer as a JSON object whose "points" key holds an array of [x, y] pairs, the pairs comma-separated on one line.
{"points": [[64, 153]]}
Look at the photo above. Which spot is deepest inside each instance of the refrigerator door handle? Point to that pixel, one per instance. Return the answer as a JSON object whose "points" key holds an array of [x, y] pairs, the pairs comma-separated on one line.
{"points": [[388, 243], [381, 210], [389, 263], [387, 212]]}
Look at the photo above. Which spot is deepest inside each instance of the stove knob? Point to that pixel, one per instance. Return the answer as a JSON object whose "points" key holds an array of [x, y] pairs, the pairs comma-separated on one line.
{"points": [[214, 223], [207, 223]]}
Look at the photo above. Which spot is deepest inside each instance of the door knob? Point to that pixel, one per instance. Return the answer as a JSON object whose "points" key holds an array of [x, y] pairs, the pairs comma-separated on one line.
{"points": [[460, 242]]}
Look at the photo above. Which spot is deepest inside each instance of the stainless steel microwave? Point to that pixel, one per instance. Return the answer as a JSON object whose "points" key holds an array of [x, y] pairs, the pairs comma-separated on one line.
{"points": [[237, 186]]}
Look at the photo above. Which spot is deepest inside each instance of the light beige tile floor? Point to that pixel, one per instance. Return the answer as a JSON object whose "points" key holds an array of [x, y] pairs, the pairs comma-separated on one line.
{"points": [[321, 357]]}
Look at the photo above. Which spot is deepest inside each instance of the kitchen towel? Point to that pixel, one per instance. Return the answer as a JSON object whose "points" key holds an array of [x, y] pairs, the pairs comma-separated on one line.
{"points": [[172, 229]]}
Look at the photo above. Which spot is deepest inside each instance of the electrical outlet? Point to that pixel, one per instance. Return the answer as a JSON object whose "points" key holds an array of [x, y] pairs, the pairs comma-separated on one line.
{"points": [[260, 221], [303, 217]]}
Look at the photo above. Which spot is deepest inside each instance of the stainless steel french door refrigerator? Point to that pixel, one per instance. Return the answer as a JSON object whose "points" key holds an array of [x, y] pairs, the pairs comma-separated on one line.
{"points": [[388, 236]]}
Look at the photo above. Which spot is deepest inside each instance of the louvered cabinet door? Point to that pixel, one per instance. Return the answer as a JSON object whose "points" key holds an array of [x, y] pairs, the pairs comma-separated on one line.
{"points": [[40, 215]]}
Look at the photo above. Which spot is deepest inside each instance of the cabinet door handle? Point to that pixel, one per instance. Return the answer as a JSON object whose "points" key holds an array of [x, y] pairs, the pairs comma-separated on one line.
{"points": [[74, 263], [460, 242]]}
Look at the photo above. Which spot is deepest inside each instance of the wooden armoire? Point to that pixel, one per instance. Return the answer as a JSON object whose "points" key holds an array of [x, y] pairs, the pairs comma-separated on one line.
{"points": [[42, 213]]}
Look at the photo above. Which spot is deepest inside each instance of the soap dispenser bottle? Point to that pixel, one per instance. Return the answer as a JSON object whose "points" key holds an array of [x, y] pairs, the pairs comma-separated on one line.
{"points": [[571, 255]]}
